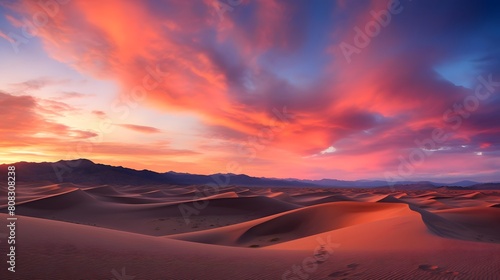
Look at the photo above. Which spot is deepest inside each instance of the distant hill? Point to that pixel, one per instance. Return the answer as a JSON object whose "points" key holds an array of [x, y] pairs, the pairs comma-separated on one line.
{"points": [[82, 171], [86, 172]]}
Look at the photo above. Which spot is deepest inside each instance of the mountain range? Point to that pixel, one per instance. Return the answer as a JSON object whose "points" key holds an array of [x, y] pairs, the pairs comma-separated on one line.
{"points": [[84, 171]]}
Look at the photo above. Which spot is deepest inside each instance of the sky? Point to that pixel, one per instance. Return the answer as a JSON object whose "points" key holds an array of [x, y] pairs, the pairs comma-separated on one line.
{"points": [[390, 90]]}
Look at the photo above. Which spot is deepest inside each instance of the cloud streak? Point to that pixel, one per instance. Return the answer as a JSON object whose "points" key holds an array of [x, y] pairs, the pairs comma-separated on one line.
{"points": [[140, 128]]}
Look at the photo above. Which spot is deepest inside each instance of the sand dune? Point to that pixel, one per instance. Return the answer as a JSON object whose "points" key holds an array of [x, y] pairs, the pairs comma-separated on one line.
{"points": [[401, 248], [296, 224], [62, 250], [147, 215], [484, 222], [317, 199], [369, 234], [103, 190], [59, 201]]}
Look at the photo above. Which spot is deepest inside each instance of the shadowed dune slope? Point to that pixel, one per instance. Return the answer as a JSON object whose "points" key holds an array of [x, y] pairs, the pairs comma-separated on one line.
{"points": [[297, 223], [150, 216]]}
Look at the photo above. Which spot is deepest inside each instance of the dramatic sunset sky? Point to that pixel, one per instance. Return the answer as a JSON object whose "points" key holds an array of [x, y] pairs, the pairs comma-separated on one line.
{"points": [[266, 88]]}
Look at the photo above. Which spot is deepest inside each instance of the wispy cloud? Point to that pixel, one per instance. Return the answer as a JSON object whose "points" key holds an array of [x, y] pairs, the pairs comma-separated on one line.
{"points": [[74, 94], [140, 128], [35, 84]]}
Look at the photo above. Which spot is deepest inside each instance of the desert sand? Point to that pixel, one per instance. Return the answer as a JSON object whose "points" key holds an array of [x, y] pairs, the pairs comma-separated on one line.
{"points": [[68, 231]]}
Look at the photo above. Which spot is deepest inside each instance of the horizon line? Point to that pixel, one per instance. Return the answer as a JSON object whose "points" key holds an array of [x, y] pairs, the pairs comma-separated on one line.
{"points": [[273, 178]]}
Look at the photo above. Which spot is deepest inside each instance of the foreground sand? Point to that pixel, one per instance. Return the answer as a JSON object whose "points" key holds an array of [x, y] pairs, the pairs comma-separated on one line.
{"points": [[123, 232]]}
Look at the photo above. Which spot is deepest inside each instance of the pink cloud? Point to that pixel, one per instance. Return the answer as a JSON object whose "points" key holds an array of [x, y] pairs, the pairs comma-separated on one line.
{"points": [[140, 128]]}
